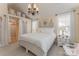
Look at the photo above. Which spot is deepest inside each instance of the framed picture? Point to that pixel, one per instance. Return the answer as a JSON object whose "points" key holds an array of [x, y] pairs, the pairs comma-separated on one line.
{"points": [[46, 22]]}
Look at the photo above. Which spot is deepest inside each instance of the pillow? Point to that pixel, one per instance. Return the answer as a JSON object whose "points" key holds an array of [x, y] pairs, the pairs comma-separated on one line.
{"points": [[46, 30]]}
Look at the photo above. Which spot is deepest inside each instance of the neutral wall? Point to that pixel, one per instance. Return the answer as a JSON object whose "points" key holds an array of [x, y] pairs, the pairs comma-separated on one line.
{"points": [[3, 8], [77, 25]]}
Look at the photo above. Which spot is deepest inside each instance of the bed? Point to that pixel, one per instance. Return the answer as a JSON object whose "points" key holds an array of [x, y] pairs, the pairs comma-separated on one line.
{"points": [[38, 42]]}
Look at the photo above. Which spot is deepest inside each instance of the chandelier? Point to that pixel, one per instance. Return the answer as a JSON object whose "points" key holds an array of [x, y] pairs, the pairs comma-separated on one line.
{"points": [[33, 9]]}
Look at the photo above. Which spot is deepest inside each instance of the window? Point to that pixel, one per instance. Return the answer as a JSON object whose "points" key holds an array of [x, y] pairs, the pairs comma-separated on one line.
{"points": [[64, 23], [34, 25]]}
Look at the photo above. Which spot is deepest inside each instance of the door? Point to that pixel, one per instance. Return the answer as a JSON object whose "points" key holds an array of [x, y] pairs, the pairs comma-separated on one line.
{"points": [[13, 29]]}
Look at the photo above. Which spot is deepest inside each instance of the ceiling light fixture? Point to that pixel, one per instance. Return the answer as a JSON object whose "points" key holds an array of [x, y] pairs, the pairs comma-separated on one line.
{"points": [[33, 9]]}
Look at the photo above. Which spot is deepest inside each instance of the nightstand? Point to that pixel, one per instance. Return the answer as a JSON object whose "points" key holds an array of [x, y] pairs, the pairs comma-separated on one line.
{"points": [[62, 39]]}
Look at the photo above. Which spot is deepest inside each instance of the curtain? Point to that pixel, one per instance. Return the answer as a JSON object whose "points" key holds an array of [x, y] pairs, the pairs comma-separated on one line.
{"points": [[65, 23], [72, 28]]}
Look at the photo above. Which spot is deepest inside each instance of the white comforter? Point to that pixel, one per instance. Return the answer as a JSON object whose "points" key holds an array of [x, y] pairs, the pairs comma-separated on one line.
{"points": [[42, 40]]}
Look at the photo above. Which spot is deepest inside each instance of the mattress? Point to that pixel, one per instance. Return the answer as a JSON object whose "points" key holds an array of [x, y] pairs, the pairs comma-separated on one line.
{"points": [[42, 40]]}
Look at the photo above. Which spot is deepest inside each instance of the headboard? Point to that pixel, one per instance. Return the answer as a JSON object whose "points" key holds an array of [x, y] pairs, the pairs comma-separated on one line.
{"points": [[45, 22]]}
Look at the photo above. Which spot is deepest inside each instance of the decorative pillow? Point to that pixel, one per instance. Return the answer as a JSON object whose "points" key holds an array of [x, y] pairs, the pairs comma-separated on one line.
{"points": [[46, 30]]}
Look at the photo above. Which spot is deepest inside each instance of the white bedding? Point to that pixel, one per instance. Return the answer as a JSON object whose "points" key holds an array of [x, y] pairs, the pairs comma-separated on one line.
{"points": [[42, 40]]}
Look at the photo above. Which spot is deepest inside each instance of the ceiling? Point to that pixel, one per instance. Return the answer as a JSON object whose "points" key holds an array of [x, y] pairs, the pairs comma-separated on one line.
{"points": [[47, 9]]}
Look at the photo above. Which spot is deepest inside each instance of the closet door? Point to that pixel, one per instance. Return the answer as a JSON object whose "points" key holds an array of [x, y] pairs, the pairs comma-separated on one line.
{"points": [[2, 30], [29, 25], [22, 26], [13, 29], [25, 26]]}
